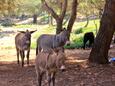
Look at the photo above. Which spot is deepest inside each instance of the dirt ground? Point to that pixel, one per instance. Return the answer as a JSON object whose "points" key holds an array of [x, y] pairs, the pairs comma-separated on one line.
{"points": [[78, 72]]}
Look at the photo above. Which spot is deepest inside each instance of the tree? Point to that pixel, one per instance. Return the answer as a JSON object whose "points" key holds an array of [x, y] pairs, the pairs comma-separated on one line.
{"points": [[98, 5], [60, 16], [99, 53], [30, 7], [95, 6], [17, 7], [7, 7], [72, 17], [35, 19], [83, 9]]}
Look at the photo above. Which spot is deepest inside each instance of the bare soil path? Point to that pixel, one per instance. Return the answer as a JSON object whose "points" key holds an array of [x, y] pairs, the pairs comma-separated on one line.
{"points": [[78, 72]]}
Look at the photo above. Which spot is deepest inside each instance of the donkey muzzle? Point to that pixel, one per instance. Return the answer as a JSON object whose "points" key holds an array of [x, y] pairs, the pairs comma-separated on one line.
{"points": [[63, 68], [27, 42], [67, 43]]}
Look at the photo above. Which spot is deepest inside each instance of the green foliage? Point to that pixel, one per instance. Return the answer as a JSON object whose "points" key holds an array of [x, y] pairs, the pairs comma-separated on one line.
{"points": [[78, 31], [76, 41]]}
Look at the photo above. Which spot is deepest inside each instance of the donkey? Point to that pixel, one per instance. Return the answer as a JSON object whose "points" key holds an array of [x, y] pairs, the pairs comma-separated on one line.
{"points": [[89, 36], [22, 43], [48, 41], [49, 63]]}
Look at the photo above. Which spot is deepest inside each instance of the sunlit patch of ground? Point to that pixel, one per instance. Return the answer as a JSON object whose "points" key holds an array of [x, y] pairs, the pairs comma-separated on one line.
{"points": [[10, 55]]}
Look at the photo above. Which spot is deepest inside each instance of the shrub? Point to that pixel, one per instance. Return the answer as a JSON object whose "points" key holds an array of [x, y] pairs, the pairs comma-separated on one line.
{"points": [[78, 31], [77, 42], [7, 22]]}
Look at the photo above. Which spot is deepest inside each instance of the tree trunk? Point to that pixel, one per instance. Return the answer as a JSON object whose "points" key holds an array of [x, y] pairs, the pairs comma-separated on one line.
{"points": [[86, 22], [73, 16], [59, 26], [35, 19], [96, 27], [99, 53], [58, 18], [50, 20]]}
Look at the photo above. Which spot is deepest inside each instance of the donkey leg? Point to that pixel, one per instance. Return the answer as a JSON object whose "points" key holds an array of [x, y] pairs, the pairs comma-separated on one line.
{"points": [[39, 78], [63, 49], [91, 41], [84, 46], [36, 50], [84, 42], [53, 78], [18, 52], [49, 78], [28, 53], [22, 57]]}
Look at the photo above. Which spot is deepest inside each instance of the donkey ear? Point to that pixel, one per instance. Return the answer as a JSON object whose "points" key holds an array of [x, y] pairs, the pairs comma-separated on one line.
{"points": [[22, 31], [33, 31]]}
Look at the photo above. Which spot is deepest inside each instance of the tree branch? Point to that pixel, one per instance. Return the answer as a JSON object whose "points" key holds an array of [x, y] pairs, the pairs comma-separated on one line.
{"points": [[73, 15], [64, 7], [49, 10]]}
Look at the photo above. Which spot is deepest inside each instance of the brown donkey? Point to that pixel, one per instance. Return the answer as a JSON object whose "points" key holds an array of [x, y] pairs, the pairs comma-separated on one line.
{"points": [[49, 63], [22, 43]]}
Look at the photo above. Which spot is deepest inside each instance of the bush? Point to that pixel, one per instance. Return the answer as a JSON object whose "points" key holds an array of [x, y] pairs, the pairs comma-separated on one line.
{"points": [[7, 22], [77, 42], [78, 31]]}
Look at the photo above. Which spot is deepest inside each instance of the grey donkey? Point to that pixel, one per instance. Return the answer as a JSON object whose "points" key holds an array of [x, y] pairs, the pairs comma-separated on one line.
{"points": [[22, 43], [49, 41], [49, 63]]}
